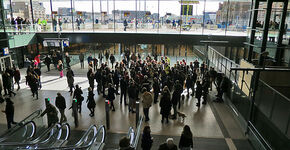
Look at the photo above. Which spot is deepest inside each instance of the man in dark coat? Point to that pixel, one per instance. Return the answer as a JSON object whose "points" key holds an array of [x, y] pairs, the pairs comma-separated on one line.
{"points": [[124, 87], [51, 112], [78, 95], [9, 111], [82, 57], [132, 92], [112, 59], [61, 105], [198, 93], [156, 89], [70, 80], [47, 62], [178, 88]]}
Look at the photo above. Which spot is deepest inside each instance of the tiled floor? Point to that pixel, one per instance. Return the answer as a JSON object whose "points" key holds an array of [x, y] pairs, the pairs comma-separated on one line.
{"points": [[208, 130]]}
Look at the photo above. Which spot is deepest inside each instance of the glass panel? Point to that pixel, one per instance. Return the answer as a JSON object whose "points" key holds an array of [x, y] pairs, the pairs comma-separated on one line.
{"points": [[170, 11], [238, 18], [83, 16], [21, 12], [281, 113], [148, 16], [210, 17], [125, 15], [192, 16]]}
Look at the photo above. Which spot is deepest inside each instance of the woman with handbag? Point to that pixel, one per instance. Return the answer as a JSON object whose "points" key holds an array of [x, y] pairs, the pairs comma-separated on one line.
{"points": [[91, 102]]}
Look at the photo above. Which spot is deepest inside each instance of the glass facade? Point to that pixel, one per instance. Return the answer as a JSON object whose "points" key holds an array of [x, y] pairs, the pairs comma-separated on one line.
{"points": [[223, 17]]}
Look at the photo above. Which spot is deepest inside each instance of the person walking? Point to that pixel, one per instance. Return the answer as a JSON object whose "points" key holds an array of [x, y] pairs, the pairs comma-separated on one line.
{"points": [[60, 68], [74, 108], [51, 112], [61, 105], [78, 95], [198, 93], [147, 140], [37, 73], [124, 87], [91, 78], [156, 89], [70, 80], [91, 102], [67, 60], [47, 62], [165, 104], [133, 95], [17, 77], [112, 59], [186, 142], [125, 23], [147, 100], [9, 111], [82, 58], [111, 96]]}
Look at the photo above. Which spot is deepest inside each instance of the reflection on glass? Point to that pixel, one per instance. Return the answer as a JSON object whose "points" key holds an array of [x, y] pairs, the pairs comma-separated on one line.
{"points": [[170, 14], [83, 16], [126, 15]]}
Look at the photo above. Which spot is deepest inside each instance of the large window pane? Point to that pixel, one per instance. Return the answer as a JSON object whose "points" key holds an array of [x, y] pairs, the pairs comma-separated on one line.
{"points": [[192, 16], [83, 16], [125, 14], [170, 12], [148, 16], [21, 13]]}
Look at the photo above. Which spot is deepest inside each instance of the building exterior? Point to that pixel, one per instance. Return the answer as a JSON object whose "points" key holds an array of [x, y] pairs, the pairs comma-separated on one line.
{"points": [[238, 13], [23, 9]]}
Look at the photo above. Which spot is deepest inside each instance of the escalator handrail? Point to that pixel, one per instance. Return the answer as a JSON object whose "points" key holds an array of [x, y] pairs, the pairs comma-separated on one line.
{"points": [[24, 125], [138, 132], [84, 138], [59, 135], [131, 135], [34, 141], [20, 124]]}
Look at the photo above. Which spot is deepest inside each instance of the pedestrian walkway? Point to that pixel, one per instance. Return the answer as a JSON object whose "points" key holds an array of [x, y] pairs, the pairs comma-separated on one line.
{"points": [[212, 125]]}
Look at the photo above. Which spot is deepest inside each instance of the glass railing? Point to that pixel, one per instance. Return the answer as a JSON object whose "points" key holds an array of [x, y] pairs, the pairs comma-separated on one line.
{"points": [[20, 128], [212, 29], [134, 135]]}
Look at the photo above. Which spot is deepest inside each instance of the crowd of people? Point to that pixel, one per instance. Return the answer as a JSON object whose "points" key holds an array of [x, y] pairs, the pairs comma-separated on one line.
{"points": [[149, 81]]}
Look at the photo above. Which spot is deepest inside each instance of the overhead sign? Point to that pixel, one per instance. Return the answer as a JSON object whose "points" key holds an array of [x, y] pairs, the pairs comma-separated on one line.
{"points": [[186, 9], [80, 13], [54, 43], [54, 12], [148, 13], [126, 14], [5, 51], [189, 2], [66, 43]]}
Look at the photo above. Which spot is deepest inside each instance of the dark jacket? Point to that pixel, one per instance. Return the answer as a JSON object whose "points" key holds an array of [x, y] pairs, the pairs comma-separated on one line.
{"points": [[165, 104], [47, 61], [60, 102], [165, 147], [185, 141], [111, 94], [146, 141], [91, 101], [9, 110], [198, 91]]}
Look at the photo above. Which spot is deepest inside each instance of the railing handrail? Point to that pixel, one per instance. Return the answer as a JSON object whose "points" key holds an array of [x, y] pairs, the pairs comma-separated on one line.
{"points": [[279, 93], [84, 138], [35, 141], [138, 133], [24, 125], [222, 55], [20, 124], [259, 135]]}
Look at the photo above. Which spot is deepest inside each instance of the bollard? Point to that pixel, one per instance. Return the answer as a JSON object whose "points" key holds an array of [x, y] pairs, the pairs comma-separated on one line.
{"points": [[137, 112], [107, 103]]}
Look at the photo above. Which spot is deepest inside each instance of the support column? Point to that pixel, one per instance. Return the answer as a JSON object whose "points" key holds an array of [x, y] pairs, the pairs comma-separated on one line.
{"points": [[280, 51], [253, 29], [265, 31]]}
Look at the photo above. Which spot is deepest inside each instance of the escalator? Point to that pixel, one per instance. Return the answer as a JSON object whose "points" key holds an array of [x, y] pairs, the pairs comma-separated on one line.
{"points": [[92, 139], [24, 129], [52, 136]]}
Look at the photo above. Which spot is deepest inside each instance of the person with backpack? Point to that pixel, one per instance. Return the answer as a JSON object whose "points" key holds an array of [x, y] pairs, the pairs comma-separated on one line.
{"points": [[51, 112]]}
